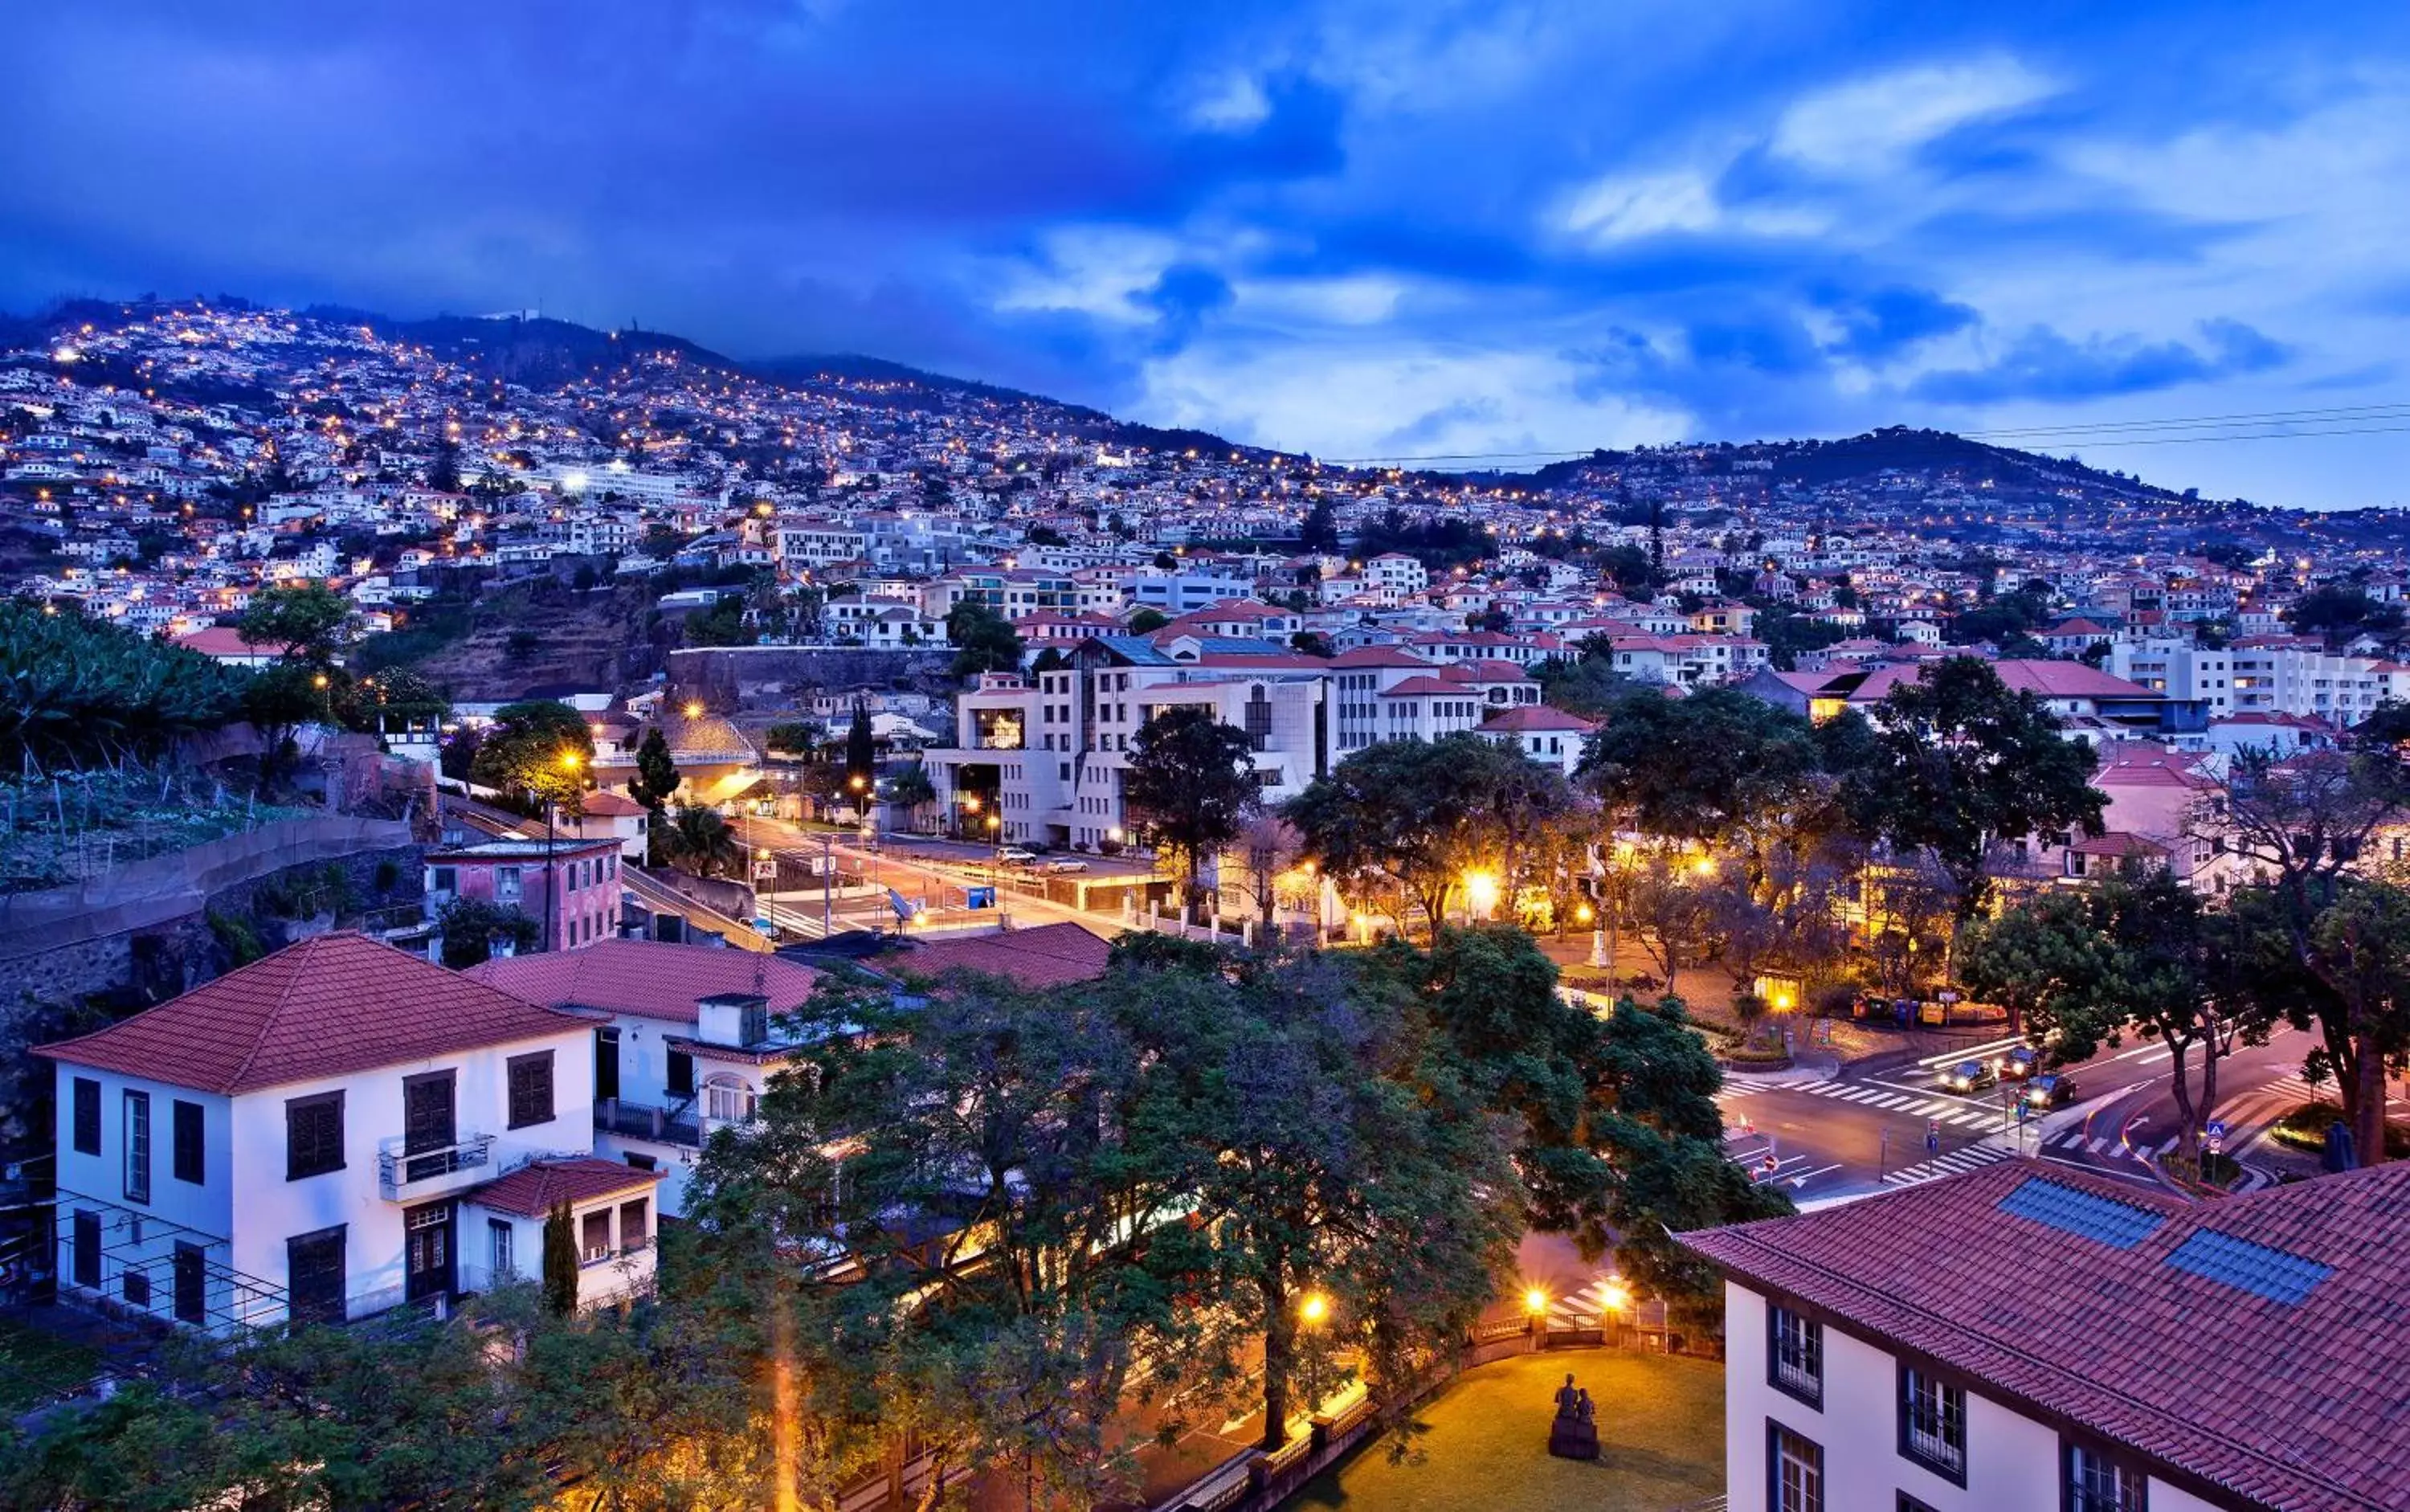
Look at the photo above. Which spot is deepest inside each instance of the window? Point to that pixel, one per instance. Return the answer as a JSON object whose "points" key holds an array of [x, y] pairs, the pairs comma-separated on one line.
{"points": [[1795, 1355], [729, 1102], [137, 1286], [594, 1235], [189, 1164], [2096, 1483], [681, 1074], [447, 879], [86, 1259], [632, 1215], [87, 1115], [1910, 1503], [314, 1274], [507, 887], [191, 1275], [606, 1063], [499, 1237], [530, 1079], [1794, 1471], [313, 1135], [1933, 1423], [138, 1147]]}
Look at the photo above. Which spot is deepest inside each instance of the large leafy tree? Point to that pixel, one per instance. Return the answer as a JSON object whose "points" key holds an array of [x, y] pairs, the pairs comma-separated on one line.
{"points": [[2141, 955], [1715, 768], [1190, 783], [537, 747], [657, 773], [2304, 826], [697, 839], [1960, 761], [984, 641], [1421, 814], [73, 690], [306, 622]]}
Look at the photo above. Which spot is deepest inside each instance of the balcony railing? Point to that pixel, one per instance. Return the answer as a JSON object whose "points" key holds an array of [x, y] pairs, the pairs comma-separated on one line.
{"points": [[413, 1173], [1936, 1449], [669, 1126]]}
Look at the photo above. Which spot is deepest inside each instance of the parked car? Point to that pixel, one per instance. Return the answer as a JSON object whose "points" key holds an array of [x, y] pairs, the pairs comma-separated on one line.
{"points": [[2051, 1090], [767, 929], [2021, 1064], [1062, 864], [1968, 1076], [1013, 855]]}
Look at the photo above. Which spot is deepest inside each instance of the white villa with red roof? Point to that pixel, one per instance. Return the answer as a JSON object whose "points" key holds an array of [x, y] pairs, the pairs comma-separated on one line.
{"points": [[2028, 1336], [685, 1039], [329, 1132]]}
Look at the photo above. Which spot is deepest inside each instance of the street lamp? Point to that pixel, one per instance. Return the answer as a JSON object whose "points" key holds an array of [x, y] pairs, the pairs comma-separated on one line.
{"points": [[1480, 895], [1535, 1305], [569, 762], [1314, 1310]]}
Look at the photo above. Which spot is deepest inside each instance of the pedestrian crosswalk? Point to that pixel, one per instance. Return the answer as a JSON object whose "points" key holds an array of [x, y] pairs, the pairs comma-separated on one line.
{"points": [[1947, 1164], [1955, 1112]]}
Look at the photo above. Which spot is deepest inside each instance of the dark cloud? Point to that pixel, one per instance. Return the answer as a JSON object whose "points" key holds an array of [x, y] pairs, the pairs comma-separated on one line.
{"points": [[2041, 364]]}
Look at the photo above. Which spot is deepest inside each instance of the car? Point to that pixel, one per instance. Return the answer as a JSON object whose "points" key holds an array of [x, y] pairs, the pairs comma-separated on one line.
{"points": [[767, 929], [1013, 855], [2021, 1064], [1968, 1076], [2051, 1089], [1063, 863]]}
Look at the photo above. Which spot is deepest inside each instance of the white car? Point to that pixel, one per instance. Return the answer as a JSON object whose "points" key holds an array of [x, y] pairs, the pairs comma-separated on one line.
{"points": [[1013, 855], [1063, 863]]}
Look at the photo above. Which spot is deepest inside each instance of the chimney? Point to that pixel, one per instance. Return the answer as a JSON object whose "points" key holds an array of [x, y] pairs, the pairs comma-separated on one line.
{"points": [[732, 1019]]}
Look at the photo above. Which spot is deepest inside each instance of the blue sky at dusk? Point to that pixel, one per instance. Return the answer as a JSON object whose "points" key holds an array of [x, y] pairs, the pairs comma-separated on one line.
{"points": [[1365, 230]]}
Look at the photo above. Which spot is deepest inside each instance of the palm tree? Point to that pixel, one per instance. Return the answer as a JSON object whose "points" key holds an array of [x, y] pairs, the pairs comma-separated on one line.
{"points": [[910, 790], [698, 840]]}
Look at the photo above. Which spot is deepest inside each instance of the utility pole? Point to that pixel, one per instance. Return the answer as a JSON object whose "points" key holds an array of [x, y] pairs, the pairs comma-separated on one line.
{"points": [[828, 884]]}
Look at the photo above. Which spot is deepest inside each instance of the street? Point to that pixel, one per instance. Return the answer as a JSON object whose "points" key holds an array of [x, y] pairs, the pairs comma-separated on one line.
{"points": [[935, 875], [1826, 1134]]}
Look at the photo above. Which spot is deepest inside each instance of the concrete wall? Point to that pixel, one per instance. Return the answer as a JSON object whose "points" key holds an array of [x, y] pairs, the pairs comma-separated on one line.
{"points": [[727, 676]]}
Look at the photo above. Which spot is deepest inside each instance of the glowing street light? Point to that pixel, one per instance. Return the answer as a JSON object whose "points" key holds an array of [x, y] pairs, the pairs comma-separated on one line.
{"points": [[1481, 893], [1314, 1310]]}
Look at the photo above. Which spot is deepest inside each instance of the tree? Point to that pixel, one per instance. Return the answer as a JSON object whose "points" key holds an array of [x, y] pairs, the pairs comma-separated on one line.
{"points": [[2142, 954], [471, 927], [911, 790], [657, 776], [305, 623], [861, 752], [1422, 814], [698, 840], [2360, 950], [537, 747], [1190, 783], [2303, 825], [1959, 762], [1271, 847], [984, 641], [560, 1263], [1147, 622], [1718, 768], [1319, 534], [73, 690], [444, 468]]}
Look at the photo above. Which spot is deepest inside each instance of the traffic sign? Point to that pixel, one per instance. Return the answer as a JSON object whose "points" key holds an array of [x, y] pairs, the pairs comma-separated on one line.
{"points": [[2216, 1130]]}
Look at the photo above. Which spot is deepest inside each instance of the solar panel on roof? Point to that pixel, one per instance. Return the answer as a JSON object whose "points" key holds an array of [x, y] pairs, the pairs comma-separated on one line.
{"points": [[2276, 1275], [2101, 1220]]}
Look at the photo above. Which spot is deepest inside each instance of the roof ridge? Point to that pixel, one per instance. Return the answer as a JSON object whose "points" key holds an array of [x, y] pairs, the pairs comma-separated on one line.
{"points": [[303, 953]]}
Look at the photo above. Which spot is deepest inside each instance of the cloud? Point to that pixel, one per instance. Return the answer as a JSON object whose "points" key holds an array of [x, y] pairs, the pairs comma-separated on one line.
{"points": [[1626, 208], [1234, 103], [2042, 364], [1869, 123]]}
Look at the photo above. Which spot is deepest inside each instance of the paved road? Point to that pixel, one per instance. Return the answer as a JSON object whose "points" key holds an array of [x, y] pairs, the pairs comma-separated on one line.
{"points": [[1822, 1134], [934, 874]]}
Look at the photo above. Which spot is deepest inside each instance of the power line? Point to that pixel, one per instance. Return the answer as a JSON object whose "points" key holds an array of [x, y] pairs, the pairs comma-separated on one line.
{"points": [[2303, 417]]}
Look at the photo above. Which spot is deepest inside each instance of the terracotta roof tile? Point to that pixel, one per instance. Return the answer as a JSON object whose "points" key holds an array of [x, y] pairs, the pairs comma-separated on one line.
{"points": [[649, 979], [2203, 1364], [539, 1186], [1050, 955], [327, 1006]]}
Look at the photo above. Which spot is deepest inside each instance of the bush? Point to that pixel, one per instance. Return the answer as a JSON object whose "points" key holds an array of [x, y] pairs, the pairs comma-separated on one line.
{"points": [[2306, 1128]]}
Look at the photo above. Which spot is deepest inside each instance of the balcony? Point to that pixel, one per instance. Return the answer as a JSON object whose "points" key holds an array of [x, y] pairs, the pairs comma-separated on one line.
{"points": [[635, 1120], [417, 1175]]}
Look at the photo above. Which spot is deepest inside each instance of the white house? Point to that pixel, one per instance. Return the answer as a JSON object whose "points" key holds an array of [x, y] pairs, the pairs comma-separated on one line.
{"points": [[685, 1039], [2031, 1336], [328, 1132]]}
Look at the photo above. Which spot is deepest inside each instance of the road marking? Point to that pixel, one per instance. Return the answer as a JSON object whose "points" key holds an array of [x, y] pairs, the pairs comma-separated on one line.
{"points": [[1947, 1164], [1984, 1051]]}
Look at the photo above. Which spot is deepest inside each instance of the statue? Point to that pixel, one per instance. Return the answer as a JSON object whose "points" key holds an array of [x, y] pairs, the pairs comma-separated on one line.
{"points": [[1574, 1435]]}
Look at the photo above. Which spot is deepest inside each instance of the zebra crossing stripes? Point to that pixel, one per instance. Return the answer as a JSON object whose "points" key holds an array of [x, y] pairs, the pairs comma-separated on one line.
{"points": [[1947, 1164], [1942, 1110]]}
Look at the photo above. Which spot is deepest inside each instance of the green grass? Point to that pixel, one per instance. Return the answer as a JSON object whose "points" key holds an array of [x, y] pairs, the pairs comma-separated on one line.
{"points": [[35, 1365], [1660, 1434]]}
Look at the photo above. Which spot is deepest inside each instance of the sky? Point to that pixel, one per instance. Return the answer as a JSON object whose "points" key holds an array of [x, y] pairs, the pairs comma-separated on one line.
{"points": [[1363, 230]]}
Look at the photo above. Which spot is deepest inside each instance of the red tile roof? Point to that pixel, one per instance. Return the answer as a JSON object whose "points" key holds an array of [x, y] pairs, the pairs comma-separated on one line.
{"points": [[649, 979], [327, 1006], [2293, 1403], [1539, 717], [539, 1186], [1050, 955], [600, 804]]}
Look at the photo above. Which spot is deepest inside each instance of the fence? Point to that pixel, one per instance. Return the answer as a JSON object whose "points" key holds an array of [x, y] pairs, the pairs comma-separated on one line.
{"points": [[144, 893]]}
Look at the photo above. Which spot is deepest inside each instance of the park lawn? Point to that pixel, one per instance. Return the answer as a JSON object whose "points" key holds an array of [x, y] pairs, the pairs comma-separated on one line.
{"points": [[1660, 1434], [35, 1366]]}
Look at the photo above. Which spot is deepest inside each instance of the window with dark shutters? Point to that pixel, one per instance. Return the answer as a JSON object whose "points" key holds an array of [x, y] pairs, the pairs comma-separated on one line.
{"points": [[137, 1146], [87, 1115], [313, 1135], [530, 1078], [190, 1162], [314, 1279]]}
